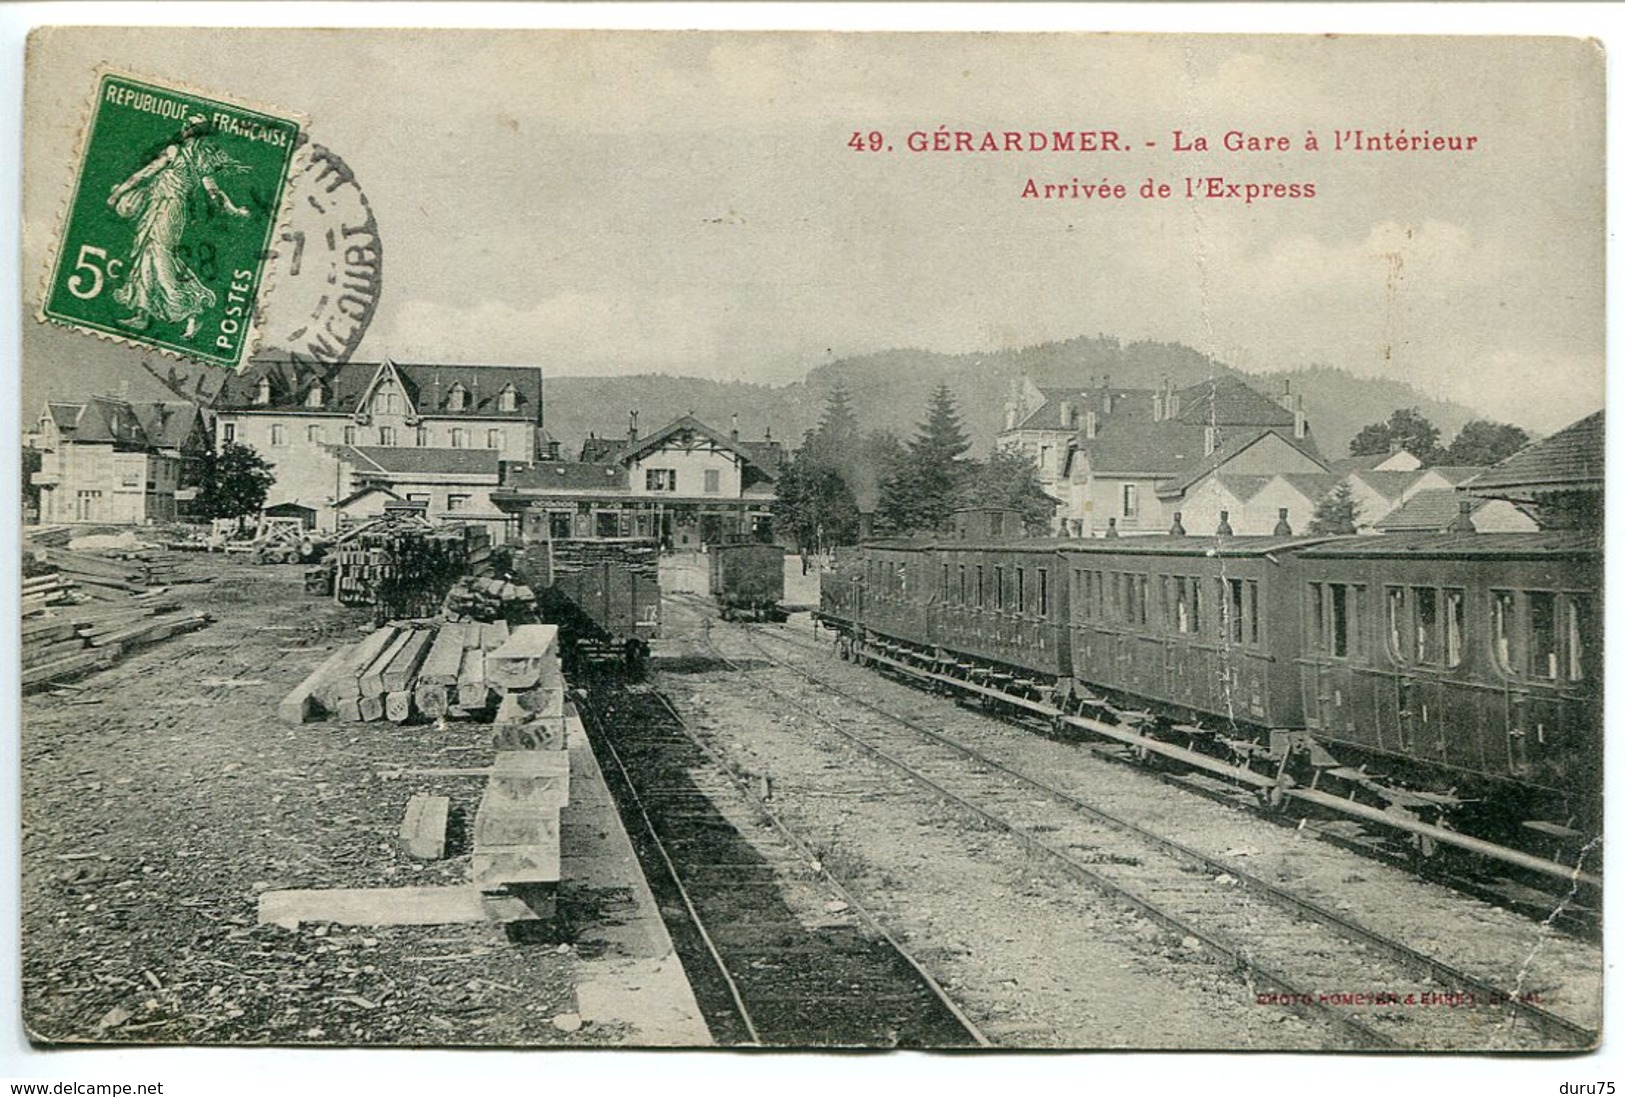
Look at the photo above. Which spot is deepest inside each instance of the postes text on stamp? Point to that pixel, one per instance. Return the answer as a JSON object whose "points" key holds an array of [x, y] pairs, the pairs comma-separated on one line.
{"points": [[174, 204]]}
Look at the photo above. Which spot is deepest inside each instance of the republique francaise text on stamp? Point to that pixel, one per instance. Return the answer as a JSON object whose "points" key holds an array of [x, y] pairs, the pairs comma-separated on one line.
{"points": [[166, 235]]}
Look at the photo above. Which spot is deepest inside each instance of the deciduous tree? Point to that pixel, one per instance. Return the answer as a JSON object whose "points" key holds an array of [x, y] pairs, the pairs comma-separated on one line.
{"points": [[1485, 442], [1407, 429], [235, 481]]}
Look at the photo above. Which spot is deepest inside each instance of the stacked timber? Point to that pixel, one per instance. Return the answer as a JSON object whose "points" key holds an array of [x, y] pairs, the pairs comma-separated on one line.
{"points": [[516, 829], [483, 599], [63, 641], [404, 566], [401, 672]]}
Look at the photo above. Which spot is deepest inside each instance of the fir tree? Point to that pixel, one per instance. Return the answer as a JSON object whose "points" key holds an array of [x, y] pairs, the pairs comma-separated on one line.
{"points": [[1337, 512]]}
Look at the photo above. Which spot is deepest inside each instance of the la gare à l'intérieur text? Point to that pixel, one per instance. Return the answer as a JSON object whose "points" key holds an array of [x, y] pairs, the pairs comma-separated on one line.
{"points": [[944, 139]]}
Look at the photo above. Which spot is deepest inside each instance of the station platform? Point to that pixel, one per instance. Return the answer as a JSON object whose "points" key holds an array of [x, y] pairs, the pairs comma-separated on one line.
{"points": [[629, 973]]}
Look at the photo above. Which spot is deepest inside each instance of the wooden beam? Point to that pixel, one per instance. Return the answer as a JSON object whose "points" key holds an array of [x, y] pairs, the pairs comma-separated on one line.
{"points": [[423, 829], [372, 679], [301, 705], [410, 906], [398, 676]]}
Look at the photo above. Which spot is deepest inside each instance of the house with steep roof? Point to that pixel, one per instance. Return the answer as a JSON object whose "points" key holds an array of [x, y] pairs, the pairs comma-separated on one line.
{"points": [[424, 430], [1447, 510], [1133, 476], [1253, 505], [685, 485], [1561, 476], [1378, 493], [112, 461], [1395, 460], [1041, 420]]}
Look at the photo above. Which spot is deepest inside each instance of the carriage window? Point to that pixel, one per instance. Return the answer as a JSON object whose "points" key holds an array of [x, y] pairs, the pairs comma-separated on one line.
{"points": [[981, 593], [961, 584], [1427, 624], [1453, 600], [1232, 610], [1503, 627], [1317, 617], [1043, 592], [1252, 611], [1021, 590], [1196, 605], [902, 579], [1341, 618], [1131, 600], [1574, 630], [998, 586], [1543, 634], [1398, 626]]}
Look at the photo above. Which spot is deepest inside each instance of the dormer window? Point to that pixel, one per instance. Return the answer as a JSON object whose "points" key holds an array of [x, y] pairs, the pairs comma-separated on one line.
{"points": [[508, 398], [456, 397], [315, 398], [263, 395], [387, 401]]}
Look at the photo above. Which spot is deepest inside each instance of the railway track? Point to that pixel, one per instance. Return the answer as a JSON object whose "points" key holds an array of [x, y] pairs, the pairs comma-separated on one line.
{"points": [[1563, 908], [1287, 949], [779, 952]]}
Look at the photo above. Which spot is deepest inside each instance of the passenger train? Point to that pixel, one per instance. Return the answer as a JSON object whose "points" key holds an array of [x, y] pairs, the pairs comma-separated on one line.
{"points": [[1447, 684]]}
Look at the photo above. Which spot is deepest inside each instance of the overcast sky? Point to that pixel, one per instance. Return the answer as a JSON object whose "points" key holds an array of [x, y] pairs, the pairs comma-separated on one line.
{"points": [[597, 204]]}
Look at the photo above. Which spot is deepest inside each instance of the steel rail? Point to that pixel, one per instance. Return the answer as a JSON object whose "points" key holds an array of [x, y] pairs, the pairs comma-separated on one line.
{"points": [[869, 918], [1569, 874], [1417, 961], [1364, 1035], [682, 891]]}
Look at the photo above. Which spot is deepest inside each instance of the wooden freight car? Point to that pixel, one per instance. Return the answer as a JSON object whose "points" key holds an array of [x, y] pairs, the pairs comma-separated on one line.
{"points": [[747, 580], [603, 592]]}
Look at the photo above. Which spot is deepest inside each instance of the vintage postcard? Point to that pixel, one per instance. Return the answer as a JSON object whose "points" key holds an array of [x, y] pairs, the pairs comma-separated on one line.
{"points": [[566, 539]]}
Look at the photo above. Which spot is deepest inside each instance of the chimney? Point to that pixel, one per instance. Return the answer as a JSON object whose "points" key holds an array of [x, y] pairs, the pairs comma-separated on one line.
{"points": [[1300, 425], [1224, 529], [866, 525], [767, 434], [1091, 423], [1210, 440], [1173, 405], [1106, 394], [734, 430], [632, 428], [1009, 417], [1156, 407], [1463, 521], [1066, 413], [1178, 528], [1283, 528], [1111, 527]]}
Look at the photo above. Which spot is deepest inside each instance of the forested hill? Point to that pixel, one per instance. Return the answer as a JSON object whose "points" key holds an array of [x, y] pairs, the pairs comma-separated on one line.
{"points": [[890, 389]]}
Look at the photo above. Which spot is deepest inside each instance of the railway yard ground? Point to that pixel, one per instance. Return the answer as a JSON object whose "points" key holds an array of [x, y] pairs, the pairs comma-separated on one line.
{"points": [[839, 859]]}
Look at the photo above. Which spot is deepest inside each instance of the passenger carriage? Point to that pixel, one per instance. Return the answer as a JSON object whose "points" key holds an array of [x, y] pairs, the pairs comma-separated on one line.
{"points": [[1198, 628], [1479, 655]]}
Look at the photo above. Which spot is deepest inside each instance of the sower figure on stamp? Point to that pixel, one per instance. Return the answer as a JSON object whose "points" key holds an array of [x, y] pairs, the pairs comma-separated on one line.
{"points": [[160, 284]]}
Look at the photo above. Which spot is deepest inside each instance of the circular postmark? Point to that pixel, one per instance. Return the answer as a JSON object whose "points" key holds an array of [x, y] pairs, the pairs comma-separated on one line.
{"points": [[325, 268]]}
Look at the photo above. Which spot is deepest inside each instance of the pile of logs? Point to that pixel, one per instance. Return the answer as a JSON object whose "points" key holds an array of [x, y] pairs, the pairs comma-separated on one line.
{"points": [[472, 599], [401, 672]]}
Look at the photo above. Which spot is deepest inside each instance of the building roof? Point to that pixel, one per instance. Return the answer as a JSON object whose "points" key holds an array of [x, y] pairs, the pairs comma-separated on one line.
{"points": [[1389, 485], [546, 476], [1311, 485], [1570, 460], [420, 461], [1126, 404], [108, 419], [1152, 449], [428, 386], [1230, 401], [1431, 510], [766, 455], [1231, 443]]}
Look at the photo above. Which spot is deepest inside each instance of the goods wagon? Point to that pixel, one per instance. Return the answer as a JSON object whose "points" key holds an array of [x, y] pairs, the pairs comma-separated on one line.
{"points": [[747, 580]]}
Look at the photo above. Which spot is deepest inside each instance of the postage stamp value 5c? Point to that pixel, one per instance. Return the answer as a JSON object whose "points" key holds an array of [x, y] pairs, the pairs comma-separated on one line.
{"points": [[167, 232]]}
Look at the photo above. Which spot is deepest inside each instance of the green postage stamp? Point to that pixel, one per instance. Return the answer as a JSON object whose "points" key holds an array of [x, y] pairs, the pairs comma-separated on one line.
{"points": [[167, 234]]}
